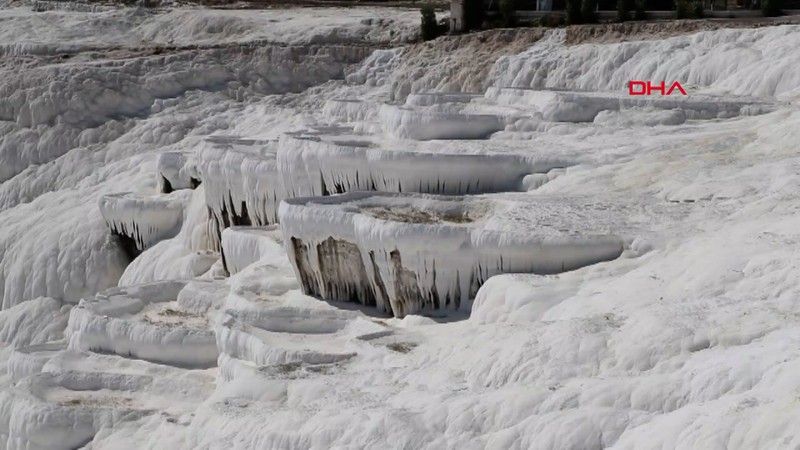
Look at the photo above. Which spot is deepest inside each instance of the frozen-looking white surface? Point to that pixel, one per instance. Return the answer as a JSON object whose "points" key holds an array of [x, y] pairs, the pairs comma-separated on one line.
{"points": [[428, 124], [243, 246], [33, 322], [76, 396], [202, 296], [752, 63], [27, 361], [350, 110], [688, 340], [566, 106], [263, 340], [435, 98], [188, 254], [174, 172], [132, 322], [194, 26], [57, 246]]}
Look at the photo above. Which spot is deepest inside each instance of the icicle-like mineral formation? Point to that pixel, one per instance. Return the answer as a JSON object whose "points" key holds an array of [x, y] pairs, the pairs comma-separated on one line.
{"points": [[242, 184], [407, 253], [141, 222], [319, 165]]}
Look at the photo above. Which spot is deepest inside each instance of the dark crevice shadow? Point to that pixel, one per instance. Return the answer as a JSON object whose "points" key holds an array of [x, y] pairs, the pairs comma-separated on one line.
{"points": [[369, 311], [152, 361]]}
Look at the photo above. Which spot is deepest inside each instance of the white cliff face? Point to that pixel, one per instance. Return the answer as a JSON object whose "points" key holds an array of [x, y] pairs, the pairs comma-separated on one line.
{"points": [[568, 267]]}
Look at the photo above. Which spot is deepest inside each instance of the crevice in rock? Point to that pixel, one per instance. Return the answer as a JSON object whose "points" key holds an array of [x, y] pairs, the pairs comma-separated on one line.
{"points": [[128, 245], [406, 290], [224, 262], [242, 220], [166, 186], [379, 284], [303, 263]]}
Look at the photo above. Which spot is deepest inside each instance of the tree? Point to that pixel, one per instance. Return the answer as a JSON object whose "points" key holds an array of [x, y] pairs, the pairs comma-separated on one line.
{"points": [[689, 9], [473, 14], [772, 8], [682, 9], [508, 10], [587, 11], [623, 10], [640, 13], [698, 10], [574, 12], [428, 27]]}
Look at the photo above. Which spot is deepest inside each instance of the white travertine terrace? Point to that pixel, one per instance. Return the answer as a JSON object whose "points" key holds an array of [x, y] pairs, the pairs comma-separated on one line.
{"points": [[241, 181], [407, 253], [145, 220], [329, 164], [143, 322]]}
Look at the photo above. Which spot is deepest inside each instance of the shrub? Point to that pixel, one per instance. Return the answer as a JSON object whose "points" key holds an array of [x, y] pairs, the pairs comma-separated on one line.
{"points": [[507, 11], [574, 12], [428, 27], [772, 8], [587, 11]]}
